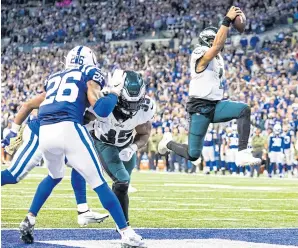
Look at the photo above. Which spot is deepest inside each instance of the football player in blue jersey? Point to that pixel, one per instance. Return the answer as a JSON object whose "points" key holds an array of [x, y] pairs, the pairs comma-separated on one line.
{"points": [[233, 140], [24, 161], [68, 93], [288, 149], [276, 153], [208, 151]]}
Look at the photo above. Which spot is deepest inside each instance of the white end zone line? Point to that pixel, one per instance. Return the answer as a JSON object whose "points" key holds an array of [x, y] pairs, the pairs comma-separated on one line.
{"points": [[223, 209], [157, 228]]}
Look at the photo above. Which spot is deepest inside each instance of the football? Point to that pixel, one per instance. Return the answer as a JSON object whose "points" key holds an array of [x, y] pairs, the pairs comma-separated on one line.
{"points": [[239, 23]]}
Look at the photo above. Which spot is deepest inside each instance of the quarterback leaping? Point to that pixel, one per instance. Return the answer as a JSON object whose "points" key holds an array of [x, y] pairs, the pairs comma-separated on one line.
{"points": [[205, 103]]}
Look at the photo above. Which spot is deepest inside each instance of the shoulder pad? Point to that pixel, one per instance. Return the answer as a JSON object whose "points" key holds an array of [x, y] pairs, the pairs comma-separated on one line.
{"points": [[149, 108], [93, 73], [199, 52]]}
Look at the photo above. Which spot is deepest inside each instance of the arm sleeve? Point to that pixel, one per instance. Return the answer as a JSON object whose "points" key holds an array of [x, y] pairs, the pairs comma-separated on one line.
{"points": [[105, 105]]}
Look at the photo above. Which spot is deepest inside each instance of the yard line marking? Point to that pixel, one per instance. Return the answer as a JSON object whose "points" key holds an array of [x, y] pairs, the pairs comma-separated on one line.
{"points": [[225, 186], [223, 209], [159, 199]]}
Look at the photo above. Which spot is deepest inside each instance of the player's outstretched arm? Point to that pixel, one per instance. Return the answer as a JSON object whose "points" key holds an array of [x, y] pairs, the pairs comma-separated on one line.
{"points": [[219, 40], [27, 108], [22, 114], [104, 105]]}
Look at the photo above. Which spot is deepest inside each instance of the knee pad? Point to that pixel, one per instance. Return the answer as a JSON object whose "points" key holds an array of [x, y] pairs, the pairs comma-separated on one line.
{"points": [[120, 187], [245, 112]]}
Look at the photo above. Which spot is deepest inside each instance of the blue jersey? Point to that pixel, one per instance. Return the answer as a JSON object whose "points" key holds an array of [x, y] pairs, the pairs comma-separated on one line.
{"points": [[209, 140], [234, 139], [287, 140], [276, 143], [66, 98]]}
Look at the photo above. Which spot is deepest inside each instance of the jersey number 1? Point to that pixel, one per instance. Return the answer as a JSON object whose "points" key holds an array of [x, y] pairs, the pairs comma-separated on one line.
{"points": [[61, 86]]}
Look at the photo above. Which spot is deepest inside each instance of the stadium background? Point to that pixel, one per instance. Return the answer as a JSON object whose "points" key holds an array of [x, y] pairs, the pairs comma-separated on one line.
{"points": [[261, 69]]}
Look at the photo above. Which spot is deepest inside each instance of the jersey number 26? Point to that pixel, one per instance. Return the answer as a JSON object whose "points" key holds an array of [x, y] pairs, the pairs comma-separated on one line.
{"points": [[63, 88]]}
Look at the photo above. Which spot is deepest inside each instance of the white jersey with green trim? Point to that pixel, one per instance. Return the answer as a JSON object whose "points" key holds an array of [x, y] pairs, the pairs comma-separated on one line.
{"points": [[121, 133], [208, 83]]}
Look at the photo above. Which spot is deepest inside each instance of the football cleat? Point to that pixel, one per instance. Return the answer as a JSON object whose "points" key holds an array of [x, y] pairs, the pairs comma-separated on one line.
{"points": [[26, 230], [162, 145], [131, 189], [89, 217], [245, 157], [129, 239]]}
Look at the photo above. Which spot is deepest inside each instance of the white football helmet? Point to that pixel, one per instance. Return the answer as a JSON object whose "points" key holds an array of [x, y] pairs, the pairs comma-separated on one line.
{"points": [[80, 55], [277, 129]]}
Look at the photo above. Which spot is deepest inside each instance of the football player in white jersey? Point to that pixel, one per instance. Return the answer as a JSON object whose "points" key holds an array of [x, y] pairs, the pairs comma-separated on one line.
{"points": [[205, 104], [118, 137]]}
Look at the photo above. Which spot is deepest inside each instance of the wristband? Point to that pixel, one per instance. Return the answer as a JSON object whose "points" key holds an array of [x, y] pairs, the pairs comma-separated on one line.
{"points": [[226, 21], [15, 127]]}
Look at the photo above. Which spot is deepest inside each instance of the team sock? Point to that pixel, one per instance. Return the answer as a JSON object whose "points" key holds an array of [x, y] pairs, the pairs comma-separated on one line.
{"points": [[79, 187], [271, 166], [110, 202], [43, 191], [7, 178], [243, 127], [123, 198], [280, 167]]}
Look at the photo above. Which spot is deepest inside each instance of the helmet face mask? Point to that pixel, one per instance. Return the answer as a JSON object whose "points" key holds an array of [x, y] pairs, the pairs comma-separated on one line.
{"points": [[132, 95], [207, 36]]}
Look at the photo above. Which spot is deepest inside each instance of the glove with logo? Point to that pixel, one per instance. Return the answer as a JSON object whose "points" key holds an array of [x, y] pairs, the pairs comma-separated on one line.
{"points": [[127, 153]]}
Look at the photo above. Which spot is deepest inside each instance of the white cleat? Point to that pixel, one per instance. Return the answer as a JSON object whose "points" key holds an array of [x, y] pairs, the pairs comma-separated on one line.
{"points": [[245, 157], [131, 189], [162, 145], [129, 239], [91, 217]]}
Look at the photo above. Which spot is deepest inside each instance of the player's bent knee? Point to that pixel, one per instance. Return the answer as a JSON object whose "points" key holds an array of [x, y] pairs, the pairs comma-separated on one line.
{"points": [[246, 111], [120, 187]]}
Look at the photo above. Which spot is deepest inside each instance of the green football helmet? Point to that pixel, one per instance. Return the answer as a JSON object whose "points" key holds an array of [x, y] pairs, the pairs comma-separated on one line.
{"points": [[207, 36], [132, 94]]}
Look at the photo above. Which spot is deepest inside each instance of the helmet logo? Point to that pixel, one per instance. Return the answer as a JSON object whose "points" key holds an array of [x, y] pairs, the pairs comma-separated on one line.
{"points": [[77, 59]]}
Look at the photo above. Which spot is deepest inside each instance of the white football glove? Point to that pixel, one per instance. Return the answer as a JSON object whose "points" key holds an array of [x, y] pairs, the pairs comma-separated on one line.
{"points": [[127, 153], [117, 81]]}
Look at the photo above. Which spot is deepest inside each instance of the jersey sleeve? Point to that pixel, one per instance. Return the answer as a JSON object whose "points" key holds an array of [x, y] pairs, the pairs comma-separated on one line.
{"points": [[94, 73], [149, 109], [198, 53]]}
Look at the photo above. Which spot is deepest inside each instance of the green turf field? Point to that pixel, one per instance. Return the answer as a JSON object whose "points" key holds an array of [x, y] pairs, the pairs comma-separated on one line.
{"points": [[168, 200]]}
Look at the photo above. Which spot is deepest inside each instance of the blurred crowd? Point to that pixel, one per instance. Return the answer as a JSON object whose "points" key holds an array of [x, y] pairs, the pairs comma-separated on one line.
{"points": [[263, 75], [117, 19]]}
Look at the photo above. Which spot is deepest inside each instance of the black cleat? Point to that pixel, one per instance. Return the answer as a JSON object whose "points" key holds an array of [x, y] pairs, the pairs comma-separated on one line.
{"points": [[26, 230]]}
